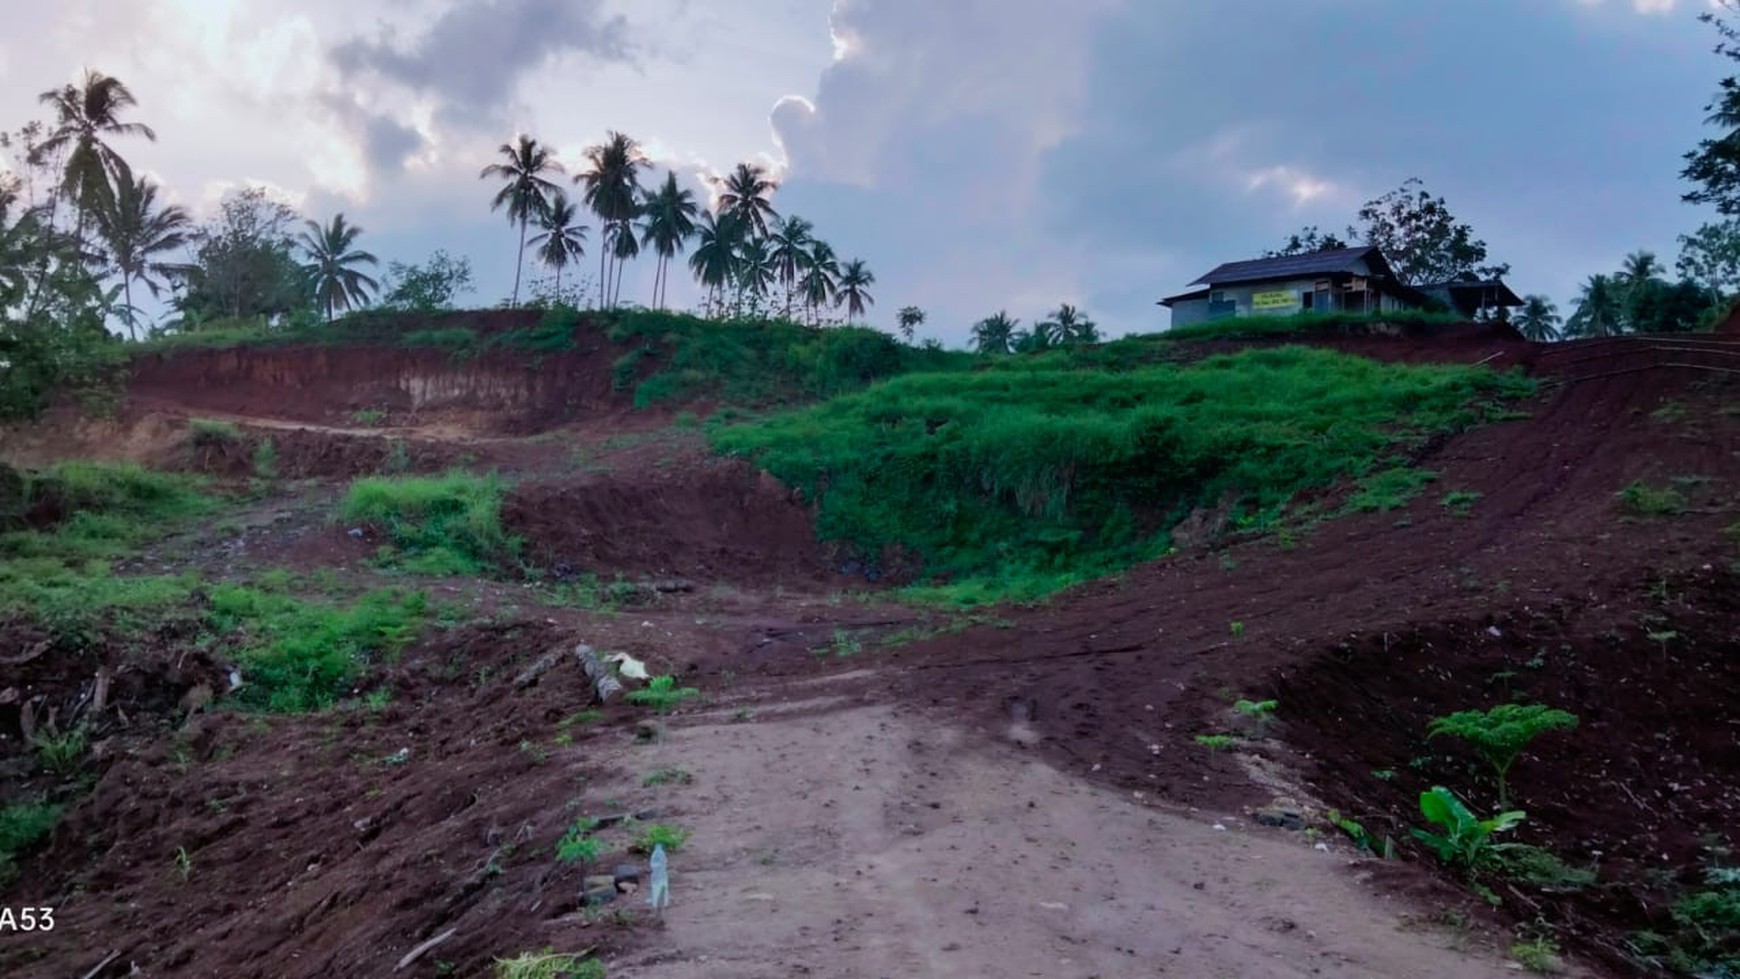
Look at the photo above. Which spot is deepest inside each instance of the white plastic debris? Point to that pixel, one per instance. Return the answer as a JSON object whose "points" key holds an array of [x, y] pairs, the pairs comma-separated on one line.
{"points": [[628, 666], [659, 894]]}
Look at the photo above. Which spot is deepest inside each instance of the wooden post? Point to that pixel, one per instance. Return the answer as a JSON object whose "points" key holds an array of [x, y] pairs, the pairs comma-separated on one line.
{"points": [[604, 684]]}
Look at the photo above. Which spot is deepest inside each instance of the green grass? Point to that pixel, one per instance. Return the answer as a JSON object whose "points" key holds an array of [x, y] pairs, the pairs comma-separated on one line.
{"points": [[22, 825], [1031, 475], [211, 432], [1257, 327], [1389, 489], [438, 525], [300, 655], [1639, 499]]}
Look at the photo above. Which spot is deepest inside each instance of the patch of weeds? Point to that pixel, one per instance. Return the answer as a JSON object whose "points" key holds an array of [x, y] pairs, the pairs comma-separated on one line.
{"points": [[549, 964], [1460, 502], [448, 525], [368, 417], [1670, 411], [845, 644], [1383, 774], [1261, 713], [1541, 955], [1237, 628], [62, 753], [1216, 742], [1639, 499], [578, 845], [1543, 869], [670, 837], [580, 717], [666, 776], [23, 825], [183, 863], [210, 433], [536, 753], [1390, 489], [1499, 735], [1362, 838], [661, 694], [266, 459]]}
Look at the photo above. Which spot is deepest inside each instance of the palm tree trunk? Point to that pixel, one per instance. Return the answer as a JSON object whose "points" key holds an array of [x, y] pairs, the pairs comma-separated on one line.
{"points": [[603, 276], [558, 283], [519, 263], [132, 321]]}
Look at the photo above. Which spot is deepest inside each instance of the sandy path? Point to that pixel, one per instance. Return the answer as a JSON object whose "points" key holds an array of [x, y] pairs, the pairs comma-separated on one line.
{"points": [[842, 838]]}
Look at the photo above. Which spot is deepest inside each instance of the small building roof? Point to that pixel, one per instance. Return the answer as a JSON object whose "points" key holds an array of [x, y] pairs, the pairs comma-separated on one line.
{"points": [[1325, 262], [1490, 292], [1185, 297]]}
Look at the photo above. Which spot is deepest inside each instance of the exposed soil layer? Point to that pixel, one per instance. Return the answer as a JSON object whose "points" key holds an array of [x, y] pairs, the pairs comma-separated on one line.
{"points": [[1643, 788], [694, 517]]}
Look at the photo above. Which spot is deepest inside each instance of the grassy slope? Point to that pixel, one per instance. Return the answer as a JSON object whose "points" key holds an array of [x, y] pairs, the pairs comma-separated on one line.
{"points": [[1036, 473]]}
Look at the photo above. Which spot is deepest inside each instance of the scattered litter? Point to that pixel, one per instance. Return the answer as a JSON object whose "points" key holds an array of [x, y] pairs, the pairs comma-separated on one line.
{"points": [[1095, 768], [235, 679], [398, 757], [1494, 630], [1053, 906], [659, 895], [356, 533], [1322, 846], [1219, 827]]}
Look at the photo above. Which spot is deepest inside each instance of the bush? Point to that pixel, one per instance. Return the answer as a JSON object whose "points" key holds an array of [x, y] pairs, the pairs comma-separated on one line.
{"points": [[22, 825], [443, 525]]}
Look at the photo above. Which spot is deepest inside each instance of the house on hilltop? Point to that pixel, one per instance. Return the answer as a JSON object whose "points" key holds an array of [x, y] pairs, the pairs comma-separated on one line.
{"points": [[1334, 280]]}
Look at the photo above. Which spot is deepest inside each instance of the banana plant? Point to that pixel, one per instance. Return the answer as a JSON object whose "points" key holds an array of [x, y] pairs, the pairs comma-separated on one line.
{"points": [[1464, 839]]}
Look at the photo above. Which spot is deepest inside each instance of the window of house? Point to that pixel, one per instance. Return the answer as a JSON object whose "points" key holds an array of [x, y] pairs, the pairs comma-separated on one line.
{"points": [[1217, 296]]}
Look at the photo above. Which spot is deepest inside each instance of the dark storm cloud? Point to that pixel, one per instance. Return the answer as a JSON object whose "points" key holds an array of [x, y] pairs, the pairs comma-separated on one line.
{"points": [[473, 54]]}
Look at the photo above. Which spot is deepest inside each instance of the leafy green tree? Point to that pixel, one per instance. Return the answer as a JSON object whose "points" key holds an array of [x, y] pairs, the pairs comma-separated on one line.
{"points": [[747, 193], [1710, 257], [1306, 240], [244, 266], [667, 223], [17, 234], [1539, 319], [995, 334], [1671, 307], [1600, 309], [562, 240], [52, 337], [789, 241], [332, 266], [1423, 241], [427, 288], [853, 288], [910, 319], [612, 190], [714, 262], [525, 191], [1499, 735], [86, 117], [1714, 165], [821, 281]]}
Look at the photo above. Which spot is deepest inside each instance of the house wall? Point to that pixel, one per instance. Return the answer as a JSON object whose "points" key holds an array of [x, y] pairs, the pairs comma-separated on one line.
{"points": [[1189, 312]]}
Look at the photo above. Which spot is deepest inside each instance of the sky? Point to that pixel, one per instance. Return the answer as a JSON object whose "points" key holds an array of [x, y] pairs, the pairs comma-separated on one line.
{"points": [[979, 155]]}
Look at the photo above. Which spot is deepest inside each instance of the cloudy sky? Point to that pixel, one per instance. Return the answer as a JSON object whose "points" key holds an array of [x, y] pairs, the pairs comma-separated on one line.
{"points": [[978, 154]]}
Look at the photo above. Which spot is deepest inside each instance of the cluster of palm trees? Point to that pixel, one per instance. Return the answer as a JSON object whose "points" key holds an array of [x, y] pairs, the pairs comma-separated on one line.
{"points": [[744, 250], [1638, 299], [1065, 327], [118, 218]]}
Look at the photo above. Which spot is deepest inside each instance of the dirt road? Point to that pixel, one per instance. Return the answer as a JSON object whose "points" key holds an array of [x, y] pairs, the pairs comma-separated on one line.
{"points": [[836, 836]]}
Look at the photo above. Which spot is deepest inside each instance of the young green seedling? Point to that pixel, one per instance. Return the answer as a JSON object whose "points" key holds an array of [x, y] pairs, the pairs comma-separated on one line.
{"points": [[1499, 735]]}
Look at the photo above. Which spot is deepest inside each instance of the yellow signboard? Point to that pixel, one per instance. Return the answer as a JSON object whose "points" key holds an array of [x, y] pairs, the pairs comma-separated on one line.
{"points": [[1274, 300]]}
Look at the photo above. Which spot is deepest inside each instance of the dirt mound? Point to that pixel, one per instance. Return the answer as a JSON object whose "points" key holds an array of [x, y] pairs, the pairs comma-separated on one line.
{"points": [[709, 519], [300, 453], [505, 390], [1643, 788]]}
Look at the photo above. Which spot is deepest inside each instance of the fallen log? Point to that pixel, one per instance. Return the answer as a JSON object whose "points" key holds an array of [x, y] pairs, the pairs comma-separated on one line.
{"points": [[417, 953], [539, 667], [605, 685]]}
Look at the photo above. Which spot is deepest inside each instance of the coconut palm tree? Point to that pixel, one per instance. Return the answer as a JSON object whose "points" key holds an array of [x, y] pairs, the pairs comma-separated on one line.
{"points": [[623, 246], [137, 232], [668, 222], [789, 241], [17, 254], [755, 271], [85, 116], [1539, 319], [854, 288], [331, 267], [747, 192], [910, 319], [714, 262], [995, 334], [562, 240], [1067, 327], [821, 279], [525, 191], [1600, 310], [612, 182]]}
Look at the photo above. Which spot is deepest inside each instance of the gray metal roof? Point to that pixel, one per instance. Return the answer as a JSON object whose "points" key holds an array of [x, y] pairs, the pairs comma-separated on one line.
{"points": [[1295, 266]]}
